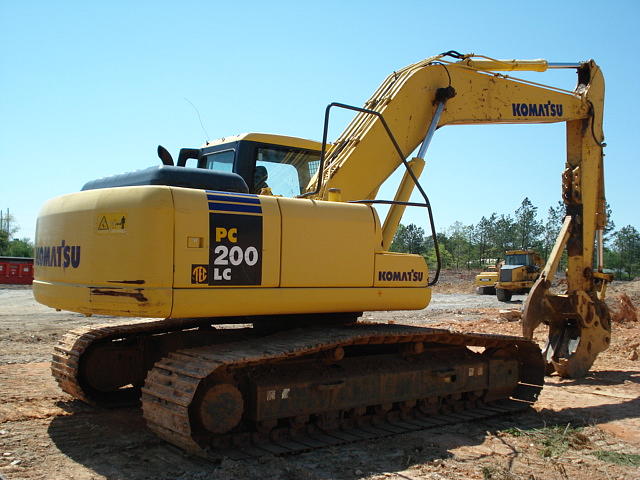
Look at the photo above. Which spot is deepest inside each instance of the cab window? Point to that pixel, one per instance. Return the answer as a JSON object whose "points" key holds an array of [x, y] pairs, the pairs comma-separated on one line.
{"points": [[220, 161], [286, 171], [517, 259]]}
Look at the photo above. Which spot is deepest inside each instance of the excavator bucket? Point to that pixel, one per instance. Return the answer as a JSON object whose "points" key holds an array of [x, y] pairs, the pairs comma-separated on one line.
{"points": [[579, 328]]}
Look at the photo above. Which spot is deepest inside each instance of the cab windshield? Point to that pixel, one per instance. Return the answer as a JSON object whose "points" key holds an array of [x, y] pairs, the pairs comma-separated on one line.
{"points": [[286, 171], [517, 259]]}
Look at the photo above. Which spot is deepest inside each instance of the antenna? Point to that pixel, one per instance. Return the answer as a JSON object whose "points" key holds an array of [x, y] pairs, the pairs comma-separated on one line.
{"points": [[206, 135]]}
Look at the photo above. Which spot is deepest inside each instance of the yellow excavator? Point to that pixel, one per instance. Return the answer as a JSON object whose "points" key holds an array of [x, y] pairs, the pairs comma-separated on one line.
{"points": [[258, 259]]}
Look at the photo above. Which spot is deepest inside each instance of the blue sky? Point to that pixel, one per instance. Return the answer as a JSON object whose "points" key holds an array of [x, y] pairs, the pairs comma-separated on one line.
{"points": [[91, 88]]}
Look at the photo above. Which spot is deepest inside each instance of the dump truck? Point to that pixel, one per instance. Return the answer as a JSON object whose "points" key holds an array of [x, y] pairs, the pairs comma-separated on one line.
{"points": [[517, 273], [514, 275]]}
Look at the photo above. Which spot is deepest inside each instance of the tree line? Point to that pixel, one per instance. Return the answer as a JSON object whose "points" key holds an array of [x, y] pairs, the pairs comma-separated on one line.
{"points": [[484, 243], [10, 246]]}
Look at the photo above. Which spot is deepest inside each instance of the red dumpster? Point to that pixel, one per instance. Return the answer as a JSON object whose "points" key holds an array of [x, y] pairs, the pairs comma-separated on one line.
{"points": [[16, 270]]}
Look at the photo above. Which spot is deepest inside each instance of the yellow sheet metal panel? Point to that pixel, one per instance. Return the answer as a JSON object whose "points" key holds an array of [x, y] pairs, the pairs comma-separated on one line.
{"points": [[273, 301], [486, 279], [327, 244], [537, 65], [491, 99], [283, 140], [514, 285], [225, 239], [400, 270], [377, 234], [125, 302], [64, 297], [191, 242], [117, 244]]}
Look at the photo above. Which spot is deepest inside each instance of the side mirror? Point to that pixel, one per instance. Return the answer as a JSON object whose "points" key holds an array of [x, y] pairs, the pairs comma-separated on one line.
{"points": [[187, 153]]}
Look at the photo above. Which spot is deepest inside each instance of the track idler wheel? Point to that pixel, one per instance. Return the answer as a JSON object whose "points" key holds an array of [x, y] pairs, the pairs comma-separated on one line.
{"points": [[220, 408]]}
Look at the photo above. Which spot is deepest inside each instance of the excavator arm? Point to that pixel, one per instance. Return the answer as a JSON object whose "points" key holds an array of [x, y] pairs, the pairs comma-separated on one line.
{"points": [[579, 321], [413, 102]]}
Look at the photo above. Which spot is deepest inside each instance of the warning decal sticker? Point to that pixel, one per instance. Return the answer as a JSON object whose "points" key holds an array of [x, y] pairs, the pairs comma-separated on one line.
{"points": [[111, 222]]}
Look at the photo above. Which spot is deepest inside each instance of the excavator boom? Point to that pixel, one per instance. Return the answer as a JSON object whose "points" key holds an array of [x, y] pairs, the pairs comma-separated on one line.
{"points": [[434, 93]]}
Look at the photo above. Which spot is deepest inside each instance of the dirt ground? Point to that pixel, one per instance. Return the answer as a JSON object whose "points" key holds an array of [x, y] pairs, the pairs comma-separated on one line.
{"points": [[579, 428]]}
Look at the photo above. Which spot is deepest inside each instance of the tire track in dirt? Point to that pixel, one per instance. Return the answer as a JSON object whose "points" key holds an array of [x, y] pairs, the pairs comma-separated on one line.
{"points": [[28, 392]]}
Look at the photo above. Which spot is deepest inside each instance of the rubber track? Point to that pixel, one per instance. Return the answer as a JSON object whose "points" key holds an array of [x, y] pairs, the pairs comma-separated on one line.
{"points": [[172, 383], [65, 362]]}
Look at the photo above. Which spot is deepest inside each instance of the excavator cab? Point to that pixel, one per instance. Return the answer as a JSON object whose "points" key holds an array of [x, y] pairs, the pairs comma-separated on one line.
{"points": [[241, 164], [289, 162]]}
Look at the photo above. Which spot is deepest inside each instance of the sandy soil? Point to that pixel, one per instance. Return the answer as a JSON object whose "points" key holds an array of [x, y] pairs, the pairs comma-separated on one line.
{"points": [[588, 427]]}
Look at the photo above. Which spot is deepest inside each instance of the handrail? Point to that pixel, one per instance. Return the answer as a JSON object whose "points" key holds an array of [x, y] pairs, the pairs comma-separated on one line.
{"points": [[402, 156]]}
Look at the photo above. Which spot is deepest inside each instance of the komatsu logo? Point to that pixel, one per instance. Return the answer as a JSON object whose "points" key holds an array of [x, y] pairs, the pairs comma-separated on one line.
{"points": [[408, 276], [62, 255], [537, 109]]}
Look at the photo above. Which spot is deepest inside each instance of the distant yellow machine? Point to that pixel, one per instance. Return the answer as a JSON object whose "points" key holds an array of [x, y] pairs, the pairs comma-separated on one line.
{"points": [[515, 275], [485, 282], [278, 239]]}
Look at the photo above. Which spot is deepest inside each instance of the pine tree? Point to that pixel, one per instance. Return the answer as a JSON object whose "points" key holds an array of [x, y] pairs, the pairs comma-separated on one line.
{"points": [[527, 227]]}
